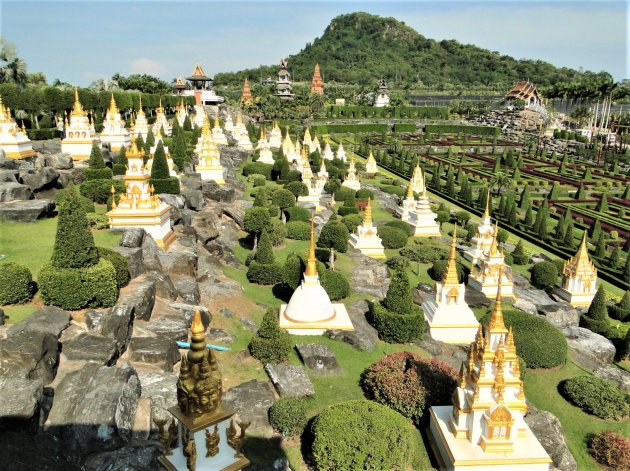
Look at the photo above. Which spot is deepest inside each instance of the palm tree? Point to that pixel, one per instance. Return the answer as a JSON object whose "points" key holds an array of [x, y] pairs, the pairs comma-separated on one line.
{"points": [[499, 182], [316, 102], [12, 68]]}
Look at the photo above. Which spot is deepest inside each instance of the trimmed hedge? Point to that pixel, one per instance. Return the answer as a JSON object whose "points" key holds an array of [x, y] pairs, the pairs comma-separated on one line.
{"points": [[544, 275], [270, 344], [346, 210], [76, 288], [86, 203], [540, 344], [358, 111], [264, 273], [288, 416], [404, 127], [597, 396], [392, 237], [99, 191], [166, 185], [98, 174], [350, 128], [398, 224], [335, 284], [119, 263], [298, 213], [397, 328], [462, 128], [424, 253], [298, 230], [258, 168], [356, 435], [16, 283], [610, 449]]}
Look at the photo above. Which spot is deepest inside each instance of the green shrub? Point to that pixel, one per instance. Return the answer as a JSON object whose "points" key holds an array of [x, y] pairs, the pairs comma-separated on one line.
{"points": [[168, 185], [519, 256], [260, 180], [16, 283], [273, 210], [392, 237], [596, 318], [364, 194], [408, 228], [424, 253], [409, 384], [256, 219], [98, 221], [335, 284], [597, 396], [77, 288], [343, 192], [264, 273], [98, 174], [394, 190], [96, 157], [352, 221], [297, 213], [438, 271], [270, 344], [298, 230], [258, 168], [544, 275], [119, 263], [621, 310], [397, 328], [86, 203], [277, 232], [359, 435], [610, 449], [99, 191], [397, 263], [283, 198], [288, 416], [346, 210], [539, 343], [334, 235]]}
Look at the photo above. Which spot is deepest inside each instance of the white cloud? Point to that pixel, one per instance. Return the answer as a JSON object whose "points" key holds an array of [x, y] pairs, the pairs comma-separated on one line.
{"points": [[144, 65]]}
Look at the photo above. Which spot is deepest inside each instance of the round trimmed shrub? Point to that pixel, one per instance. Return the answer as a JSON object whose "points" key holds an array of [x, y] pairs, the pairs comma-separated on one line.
{"points": [[392, 237], [297, 213], [258, 168], [397, 263], [424, 253], [343, 192], [99, 191], [288, 416], [335, 284], [438, 271], [410, 384], [540, 344], [401, 225], [346, 210], [544, 275], [283, 198], [298, 230], [352, 221], [119, 169], [260, 180], [610, 449], [364, 194], [355, 435], [393, 327], [16, 283], [597, 396], [270, 344], [264, 273], [119, 263], [273, 210]]}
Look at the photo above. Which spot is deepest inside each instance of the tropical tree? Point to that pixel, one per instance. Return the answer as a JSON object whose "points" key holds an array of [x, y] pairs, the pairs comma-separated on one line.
{"points": [[500, 182], [12, 68]]}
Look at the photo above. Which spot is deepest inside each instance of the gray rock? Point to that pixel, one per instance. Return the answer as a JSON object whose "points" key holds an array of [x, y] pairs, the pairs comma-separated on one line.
{"points": [[194, 199], [526, 306], [134, 259], [520, 281], [176, 201], [188, 310], [475, 298], [7, 163], [179, 260], [225, 312], [220, 286], [249, 324], [616, 375], [172, 327], [94, 407], [30, 354], [49, 146], [93, 320], [164, 287], [39, 179], [223, 246], [26, 211], [218, 192], [319, 358], [236, 212], [535, 296], [290, 380], [48, 319], [20, 400], [251, 402], [8, 175], [548, 430], [161, 389], [91, 347], [192, 181], [74, 175], [59, 161], [453, 355], [158, 350], [118, 325], [138, 455], [364, 336], [12, 191], [140, 294], [561, 315], [150, 251], [207, 225], [369, 276], [218, 335], [132, 238], [589, 349], [186, 236], [188, 290]]}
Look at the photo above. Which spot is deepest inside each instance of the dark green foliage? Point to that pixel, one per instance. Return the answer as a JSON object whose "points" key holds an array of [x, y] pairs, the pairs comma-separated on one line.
{"points": [[397, 263], [595, 230], [621, 310], [398, 298], [352, 221], [91, 174], [528, 220], [86, 203], [442, 217], [602, 204], [625, 275], [394, 190], [77, 288], [335, 284], [119, 263], [438, 271], [471, 229], [334, 235], [538, 343], [287, 416], [277, 229], [596, 318], [99, 191], [615, 257], [518, 254], [581, 194], [118, 169], [297, 213], [264, 251], [283, 198], [159, 168], [392, 237], [569, 238], [544, 275], [264, 273], [168, 185], [298, 230], [424, 253], [179, 153], [358, 435], [292, 271], [346, 210], [96, 157], [270, 344], [364, 194], [401, 225], [597, 396], [16, 283], [297, 188], [256, 219], [258, 168], [122, 156], [600, 247]]}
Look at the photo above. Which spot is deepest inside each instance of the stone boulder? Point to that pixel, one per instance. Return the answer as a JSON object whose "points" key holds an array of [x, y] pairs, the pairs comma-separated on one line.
{"points": [[290, 380], [220, 286], [524, 305], [188, 289], [176, 201], [179, 260], [537, 297], [60, 160], [7, 175], [236, 212], [188, 310], [20, 401], [319, 358], [39, 179], [475, 298], [453, 355], [30, 354], [191, 181], [159, 351], [194, 199], [7, 163], [251, 402], [91, 347], [616, 375], [94, 407], [218, 336], [140, 294], [118, 325], [218, 192], [132, 237], [12, 191], [369, 276], [561, 315], [548, 430], [364, 336], [222, 247], [150, 258], [26, 211], [589, 349], [48, 319], [137, 455], [171, 327], [133, 256], [93, 320], [207, 224], [161, 390]]}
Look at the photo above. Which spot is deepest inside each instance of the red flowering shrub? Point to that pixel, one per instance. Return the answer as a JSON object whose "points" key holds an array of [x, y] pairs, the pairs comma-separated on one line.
{"points": [[611, 449], [409, 384]]}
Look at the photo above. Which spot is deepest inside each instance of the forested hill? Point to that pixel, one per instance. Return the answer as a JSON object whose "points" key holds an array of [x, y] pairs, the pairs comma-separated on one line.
{"points": [[360, 48]]}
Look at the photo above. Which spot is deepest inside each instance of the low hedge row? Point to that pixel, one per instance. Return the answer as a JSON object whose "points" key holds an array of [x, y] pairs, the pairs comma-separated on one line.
{"points": [[264, 273], [99, 191], [97, 174], [462, 128], [166, 185], [349, 128], [397, 328]]}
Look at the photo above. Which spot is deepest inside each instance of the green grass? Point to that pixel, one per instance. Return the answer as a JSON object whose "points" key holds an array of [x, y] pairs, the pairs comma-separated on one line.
{"points": [[19, 312]]}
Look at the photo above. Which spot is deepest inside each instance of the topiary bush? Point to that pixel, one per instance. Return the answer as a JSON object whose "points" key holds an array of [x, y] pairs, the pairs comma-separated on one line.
{"points": [[335, 284], [168, 185], [119, 263], [438, 271], [264, 273], [270, 344], [258, 168], [98, 174], [610, 449], [352, 221], [392, 237], [409, 384], [86, 203], [288, 416], [283, 198], [99, 191], [16, 283], [297, 213], [401, 225], [334, 235], [544, 275], [364, 194], [397, 263], [597, 396], [539, 343], [596, 318], [359, 435], [346, 210], [424, 253], [277, 232], [298, 230]]}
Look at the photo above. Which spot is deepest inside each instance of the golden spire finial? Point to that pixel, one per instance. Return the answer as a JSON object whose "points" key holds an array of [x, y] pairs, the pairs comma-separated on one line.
{"points": [[205, 128], [216, 120], [583, 250], [409, 190], [311, 264], [113, 108], [493, 245], [367, 216], [450, 277], [77, 108], [486, 213], [140, 110], [496, 319], [509, 341], [462, 376]]}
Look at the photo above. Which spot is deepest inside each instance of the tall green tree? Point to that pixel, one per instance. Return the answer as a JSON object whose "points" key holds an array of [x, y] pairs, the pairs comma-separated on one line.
{"points": [[264, 251], [159, 169], [96, 157], [398, 298]]}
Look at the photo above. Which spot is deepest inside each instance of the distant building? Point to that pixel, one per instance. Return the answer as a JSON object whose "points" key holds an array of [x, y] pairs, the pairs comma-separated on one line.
{"points": [[382, 94], [317, 84], [525, 91], [284, 89], [202, 88]]}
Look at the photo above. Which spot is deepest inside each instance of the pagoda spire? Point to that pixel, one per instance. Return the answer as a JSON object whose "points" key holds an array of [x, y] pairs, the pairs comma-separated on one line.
{"points": [[486, 213], [409, 190], [77, 108], [367, 216], [450, 277], [494, 246], [311, 264], [317, 84], [496, 319], [113, 108], [246, 96], [140, 110]]}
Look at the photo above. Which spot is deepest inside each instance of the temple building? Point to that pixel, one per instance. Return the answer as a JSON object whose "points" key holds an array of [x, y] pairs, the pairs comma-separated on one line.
{"points": [[482, 240], [352, 180], [366, 239], [246, 96], [328, 153], [204, 435], [310, 311], [524, 91], [79, 132], [579, 278], [201, 89], [407, 205], [218, 136], [284, 89], [449, 317], [341, 153], [370, 166], [141, 126], [382, 94], [139, 206], [484, 429], [161, 123], [179, 86], [317, 84], [13, 140], [209, 166], [114, 132], [417, 179], [275, 136], [489, 268], [422, 218]]}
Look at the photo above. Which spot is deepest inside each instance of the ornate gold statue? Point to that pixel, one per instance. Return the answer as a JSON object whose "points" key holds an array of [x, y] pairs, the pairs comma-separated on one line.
{"points": [[190, 452], [212, 442]]}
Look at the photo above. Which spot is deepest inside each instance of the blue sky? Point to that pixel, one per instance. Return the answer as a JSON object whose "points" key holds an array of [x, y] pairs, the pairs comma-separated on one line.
{"points": [[79, 42]]}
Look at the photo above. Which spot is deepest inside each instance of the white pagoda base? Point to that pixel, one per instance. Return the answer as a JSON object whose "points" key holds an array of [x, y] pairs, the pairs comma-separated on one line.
{"points": [[156, 222], [78, 149], [450, 323], [473, 254], [116, 141], [340, 321], [311, 200], [574, 299], [354, 184], [215, 174], [455, 454], [200, 116], [424, 224], [490, 289], [369, 245], [266, 157]]}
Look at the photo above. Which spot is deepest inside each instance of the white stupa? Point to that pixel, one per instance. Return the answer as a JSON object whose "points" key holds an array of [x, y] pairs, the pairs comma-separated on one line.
{"points": [[328, 153], [114, 132], [366, 239], [181, 112], [229, 124], [275, 136], [79, 132], [265, 154], [491, 270], [200, 116], [341, 153], [209, 166], [579, 278], [161, 122], [141, 127], [422, 218], [218, 136], [352, 180], [371, 167], [407, 205], [13, 140], [482, 240], [310, 311], [417, 179]]}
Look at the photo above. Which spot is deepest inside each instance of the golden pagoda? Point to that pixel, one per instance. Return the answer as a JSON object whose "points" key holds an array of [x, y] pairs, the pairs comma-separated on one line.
{"points": [[579, 278], [209, 165], [246, 96], [366, 239], [79, 132], [352, 180], [161, 123], [482, 241], [13, 140], [491, 270], [310, 311], [370, 166], [206, 436], [114, 132], [141, 125], [317, 84], [485, 429], [417, 179]]}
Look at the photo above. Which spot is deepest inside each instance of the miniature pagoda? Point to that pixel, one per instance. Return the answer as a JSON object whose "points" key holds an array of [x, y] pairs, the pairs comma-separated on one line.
{"points": [[317, 84], [204, 436], [328, 153], [284, 89], [484, 429], [482, 240], [265, 154], [181, 112], [229, 124], [417, 179], [218, 136], [201, 89], [139, 206], [485, 274], [366, 239], [310, 311], [307, 141], [246, 96], [114, 132], [209, 166], [315, 145], [407, 205], [352, 180], [448, 315], [169, 159], [141, 125], [13, 140], [341, 153], [382, 94], [239, 132], [422, 218], [161, 123], [370, 166], [200, 116], [579, 278], [275, 136], [79, 132]]}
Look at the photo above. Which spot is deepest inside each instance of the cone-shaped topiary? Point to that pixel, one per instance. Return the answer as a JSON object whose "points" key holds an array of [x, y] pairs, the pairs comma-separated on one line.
{"points": [[518, 254], [398, 298], [122, 156], [596, 319], [602, 204], [569, 238], [96, 157], [159, 169], [270, 344], [580, 194], [74, 243], [264, 251], [187, 124], [600, 247]]}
